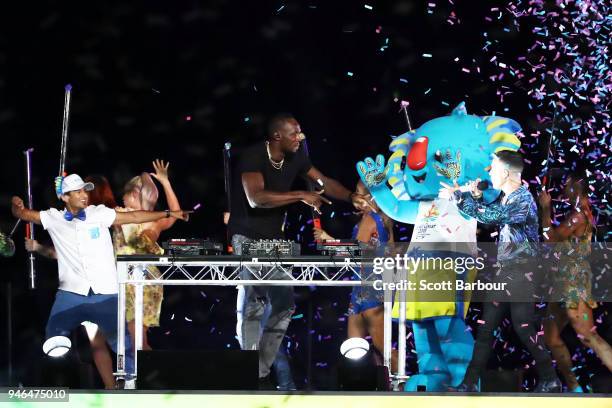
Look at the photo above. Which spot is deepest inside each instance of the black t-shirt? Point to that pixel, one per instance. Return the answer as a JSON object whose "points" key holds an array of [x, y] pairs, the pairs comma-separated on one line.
{"points": [[262, 223]]}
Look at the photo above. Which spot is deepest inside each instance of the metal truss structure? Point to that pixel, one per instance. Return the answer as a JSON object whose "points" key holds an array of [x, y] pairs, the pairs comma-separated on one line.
{"points": [[228, 270]]}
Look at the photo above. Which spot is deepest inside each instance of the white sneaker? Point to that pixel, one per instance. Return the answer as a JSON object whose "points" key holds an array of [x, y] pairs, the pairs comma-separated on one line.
{"points": [[130, 384]]}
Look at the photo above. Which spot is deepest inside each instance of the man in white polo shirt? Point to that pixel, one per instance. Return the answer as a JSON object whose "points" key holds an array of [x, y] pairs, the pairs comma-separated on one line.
{"points": [[88, 284]]}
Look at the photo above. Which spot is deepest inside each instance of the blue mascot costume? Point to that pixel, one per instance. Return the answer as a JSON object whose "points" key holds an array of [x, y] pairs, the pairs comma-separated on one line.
{"points": [[454, 148]]}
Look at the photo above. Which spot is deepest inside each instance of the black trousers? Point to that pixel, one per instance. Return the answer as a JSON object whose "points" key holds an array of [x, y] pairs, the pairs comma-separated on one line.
{"points": [[523, 322]]}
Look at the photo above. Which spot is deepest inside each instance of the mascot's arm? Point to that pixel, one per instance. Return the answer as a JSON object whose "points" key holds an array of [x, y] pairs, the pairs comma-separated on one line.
{"points": [[514, 212], [374, 177]]}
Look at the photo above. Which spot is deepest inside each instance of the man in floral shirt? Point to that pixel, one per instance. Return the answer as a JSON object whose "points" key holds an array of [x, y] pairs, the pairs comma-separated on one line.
{"points": [[516, 213]]}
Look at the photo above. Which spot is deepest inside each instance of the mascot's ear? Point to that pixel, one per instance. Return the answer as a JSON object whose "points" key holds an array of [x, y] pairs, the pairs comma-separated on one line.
{"points": [[502, 133], [402, 142], [399, 146], [460, 110]]}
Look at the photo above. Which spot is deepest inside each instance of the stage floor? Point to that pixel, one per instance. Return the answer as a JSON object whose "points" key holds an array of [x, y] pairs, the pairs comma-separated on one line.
{"points": [[134, 399]]}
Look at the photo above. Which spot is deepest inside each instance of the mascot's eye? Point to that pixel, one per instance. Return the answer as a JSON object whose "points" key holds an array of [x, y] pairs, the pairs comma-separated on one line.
{"points": [[438, 156]]}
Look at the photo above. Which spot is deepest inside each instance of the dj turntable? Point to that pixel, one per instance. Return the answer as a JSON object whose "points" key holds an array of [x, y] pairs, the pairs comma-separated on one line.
{"points": [[192, 246]]}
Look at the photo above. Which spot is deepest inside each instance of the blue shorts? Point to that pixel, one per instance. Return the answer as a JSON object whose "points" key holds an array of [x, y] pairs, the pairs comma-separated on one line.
{"points": [[71, 309], [364, 298]]}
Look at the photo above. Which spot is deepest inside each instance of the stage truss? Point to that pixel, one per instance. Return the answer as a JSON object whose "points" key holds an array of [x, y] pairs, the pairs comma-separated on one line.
{"points": [[241, 270]]}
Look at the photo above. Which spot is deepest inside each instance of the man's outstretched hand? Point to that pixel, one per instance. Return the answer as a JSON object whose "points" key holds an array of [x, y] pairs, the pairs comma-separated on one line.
{"points": [[314, 200], [180, 214], [17, 206]]}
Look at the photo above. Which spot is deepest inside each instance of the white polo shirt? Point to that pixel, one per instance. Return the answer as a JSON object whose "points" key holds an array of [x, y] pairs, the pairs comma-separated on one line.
{"points": [[84, 250]]}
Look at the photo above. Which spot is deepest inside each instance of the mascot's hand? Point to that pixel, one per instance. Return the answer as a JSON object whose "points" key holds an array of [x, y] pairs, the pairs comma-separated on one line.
{"points": [[448, 167], [372, 173]]}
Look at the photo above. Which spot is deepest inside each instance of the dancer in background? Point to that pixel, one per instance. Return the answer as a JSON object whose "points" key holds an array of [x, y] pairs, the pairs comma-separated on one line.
{"points": [[366, 311], [140, 193], [573, 235]]}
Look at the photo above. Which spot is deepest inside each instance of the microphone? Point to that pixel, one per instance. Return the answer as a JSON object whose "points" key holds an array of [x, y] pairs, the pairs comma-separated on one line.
{"points": [[482, 186]]}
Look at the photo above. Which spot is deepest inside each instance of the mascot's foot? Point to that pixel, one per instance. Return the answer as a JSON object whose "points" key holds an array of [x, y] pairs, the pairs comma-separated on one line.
{"points": [[553, 385], [463, 387], [430, 382]]}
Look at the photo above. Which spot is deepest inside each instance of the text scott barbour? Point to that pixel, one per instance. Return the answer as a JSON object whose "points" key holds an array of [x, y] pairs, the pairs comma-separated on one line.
{"points": [[425, 285]]}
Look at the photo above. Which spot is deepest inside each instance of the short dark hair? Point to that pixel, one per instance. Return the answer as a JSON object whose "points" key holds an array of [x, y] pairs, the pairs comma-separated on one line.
{"points": [[277, 122], [512, 159]]}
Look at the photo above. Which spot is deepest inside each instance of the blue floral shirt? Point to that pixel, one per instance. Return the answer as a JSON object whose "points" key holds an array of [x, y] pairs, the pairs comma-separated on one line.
{"points": [[518, 218]]}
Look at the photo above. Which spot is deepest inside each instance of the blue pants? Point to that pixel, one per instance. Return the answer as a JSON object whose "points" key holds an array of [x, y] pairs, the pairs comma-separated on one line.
{"points": [[444, 349], [70, 309]]}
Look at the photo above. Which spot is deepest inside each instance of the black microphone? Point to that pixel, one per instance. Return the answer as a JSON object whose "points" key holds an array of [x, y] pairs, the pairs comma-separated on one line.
{"points": [[482, 186]]}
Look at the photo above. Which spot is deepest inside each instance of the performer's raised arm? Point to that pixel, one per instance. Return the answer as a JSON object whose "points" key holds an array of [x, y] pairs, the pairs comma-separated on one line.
{"points": [[19, 211]]}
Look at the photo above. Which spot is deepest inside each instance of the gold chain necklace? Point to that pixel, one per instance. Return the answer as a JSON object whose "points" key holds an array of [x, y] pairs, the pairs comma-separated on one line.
{"points": [[276, 165]]}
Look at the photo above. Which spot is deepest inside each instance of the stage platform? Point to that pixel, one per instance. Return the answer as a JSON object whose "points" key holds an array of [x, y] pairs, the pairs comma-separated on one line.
{"points": [[187, 399]]}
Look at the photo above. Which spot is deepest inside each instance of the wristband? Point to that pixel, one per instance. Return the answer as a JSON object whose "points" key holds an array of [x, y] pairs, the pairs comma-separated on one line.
{"points": [[167, 213]]}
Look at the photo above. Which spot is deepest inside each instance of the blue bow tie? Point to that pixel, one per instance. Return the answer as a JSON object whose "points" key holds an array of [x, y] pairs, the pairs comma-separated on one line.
{"points": [[69, 216]]}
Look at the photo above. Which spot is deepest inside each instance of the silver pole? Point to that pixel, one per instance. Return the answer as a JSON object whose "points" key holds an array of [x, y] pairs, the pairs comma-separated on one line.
{"points": [[31, 257], [122, 274], [9, 330], [401, 342], [138, 313], [404, 107], [387, 333], [15, 227], [388, 276], [65, 123]]}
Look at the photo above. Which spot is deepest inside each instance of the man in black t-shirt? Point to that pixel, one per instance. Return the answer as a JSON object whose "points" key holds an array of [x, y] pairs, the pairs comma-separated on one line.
{"points": [[261, 189]]}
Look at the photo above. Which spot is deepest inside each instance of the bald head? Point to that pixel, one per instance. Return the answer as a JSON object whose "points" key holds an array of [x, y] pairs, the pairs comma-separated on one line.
{"points": [[277, 123], [285, 133]]}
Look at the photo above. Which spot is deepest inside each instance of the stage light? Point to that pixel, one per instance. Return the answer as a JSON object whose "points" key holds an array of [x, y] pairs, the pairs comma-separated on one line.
{"points": [[354, 348], [57, 346], [357, 371]]}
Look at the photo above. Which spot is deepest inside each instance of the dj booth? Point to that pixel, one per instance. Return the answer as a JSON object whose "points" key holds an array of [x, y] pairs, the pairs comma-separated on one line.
{"points": [[231, 270]]}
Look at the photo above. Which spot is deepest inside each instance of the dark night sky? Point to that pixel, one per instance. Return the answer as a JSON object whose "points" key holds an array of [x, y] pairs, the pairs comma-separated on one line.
{"points": [[140, 69]]}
